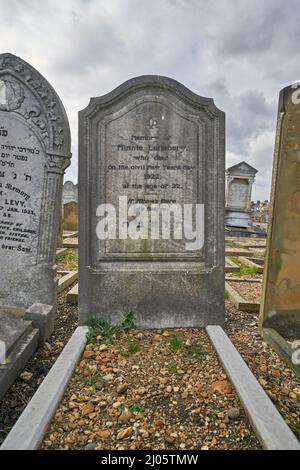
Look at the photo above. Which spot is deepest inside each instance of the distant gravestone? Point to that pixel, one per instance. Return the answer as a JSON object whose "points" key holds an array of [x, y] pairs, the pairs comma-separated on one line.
{"points": [[152, 147], [70, 222], [239, 183], [70, 192], [280, 307], [35, 150]]}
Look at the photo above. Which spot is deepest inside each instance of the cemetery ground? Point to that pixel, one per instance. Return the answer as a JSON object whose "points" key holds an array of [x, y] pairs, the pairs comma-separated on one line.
{"points": [[157, 389]]}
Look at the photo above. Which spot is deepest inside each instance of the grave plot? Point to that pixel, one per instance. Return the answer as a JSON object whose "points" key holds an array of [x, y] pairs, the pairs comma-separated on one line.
{"points": [[159, 389], [259, 267], [68, 260], [71, 242], [243, 288], [149, 389], [17, 397], [277, 379], [258, 252], [248, 271], [66, 279], [250, 291]]}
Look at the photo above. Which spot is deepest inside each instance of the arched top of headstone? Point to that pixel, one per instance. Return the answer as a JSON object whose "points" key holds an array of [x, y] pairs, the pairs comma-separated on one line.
{"points": [[24, 91], [69, 185], [137, 84]]}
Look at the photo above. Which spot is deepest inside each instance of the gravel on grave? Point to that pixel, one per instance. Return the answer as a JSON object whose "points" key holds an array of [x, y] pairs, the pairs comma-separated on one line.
{"points": [[247, 277], [68, 261], [19, 394], [259, 252], [250, 291], [278, 380], [153, 398]]}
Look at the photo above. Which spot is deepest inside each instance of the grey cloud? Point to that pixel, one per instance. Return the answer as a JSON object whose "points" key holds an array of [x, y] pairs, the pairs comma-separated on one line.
{"points": [[238, 52]]}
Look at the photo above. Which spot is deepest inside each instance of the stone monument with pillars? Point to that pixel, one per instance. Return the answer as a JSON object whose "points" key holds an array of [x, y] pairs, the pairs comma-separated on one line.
{"points": [[239, 181]]}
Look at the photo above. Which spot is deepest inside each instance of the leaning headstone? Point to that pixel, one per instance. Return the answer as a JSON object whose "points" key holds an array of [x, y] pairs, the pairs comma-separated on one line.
{"points": [[152, 151], [280, 307], [70, 222], [35, 151], [239, 181]]}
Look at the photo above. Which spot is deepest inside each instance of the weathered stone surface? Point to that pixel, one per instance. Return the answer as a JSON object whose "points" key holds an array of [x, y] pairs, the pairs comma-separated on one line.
{"points": [[70, 216], [70, 192], [35, 150], [280, 308], [12, 327], [240, 179], [153, 141], [269, 426], [20, 341], [42, 317]]}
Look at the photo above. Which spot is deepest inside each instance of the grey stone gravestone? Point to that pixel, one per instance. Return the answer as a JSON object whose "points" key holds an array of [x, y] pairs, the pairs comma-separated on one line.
{"points": [[151, 142], [35, 150], [70, 192], [280, 307], [239, 183], [70, 222]]}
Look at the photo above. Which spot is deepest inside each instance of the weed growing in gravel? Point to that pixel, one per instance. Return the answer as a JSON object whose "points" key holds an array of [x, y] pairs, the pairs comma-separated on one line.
{"points": [[213, 414], [134, 408], [69, 260], [176, 343], [172, 368], [190, 351], [131, 348], [248, 270], [226, 295], [91, 381], [244, 270], [101, 332], [231, 244], [194, 351]]}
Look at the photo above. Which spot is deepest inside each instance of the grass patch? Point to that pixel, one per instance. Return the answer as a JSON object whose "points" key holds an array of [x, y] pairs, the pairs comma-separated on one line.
{"points": [[244, 270], [190, 351], [172, 368], [68, 260], [101, 332], [134, 408], [91, 381], [176, 343], [194, 351], [131, 348], [231, 244]]}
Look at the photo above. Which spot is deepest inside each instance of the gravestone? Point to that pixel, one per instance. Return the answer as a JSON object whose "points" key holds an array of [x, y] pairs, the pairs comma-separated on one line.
{"points": [[70, 216], [280, 307], [153, 144], [35, 150], [70, 192], [239, 181]]}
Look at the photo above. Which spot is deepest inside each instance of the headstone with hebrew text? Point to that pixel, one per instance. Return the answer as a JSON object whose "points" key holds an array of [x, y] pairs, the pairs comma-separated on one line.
{"points": [[34, 152]]}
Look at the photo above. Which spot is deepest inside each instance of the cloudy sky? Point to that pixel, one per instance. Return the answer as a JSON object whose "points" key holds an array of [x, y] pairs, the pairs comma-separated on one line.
{"points": [[239, 52]]}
